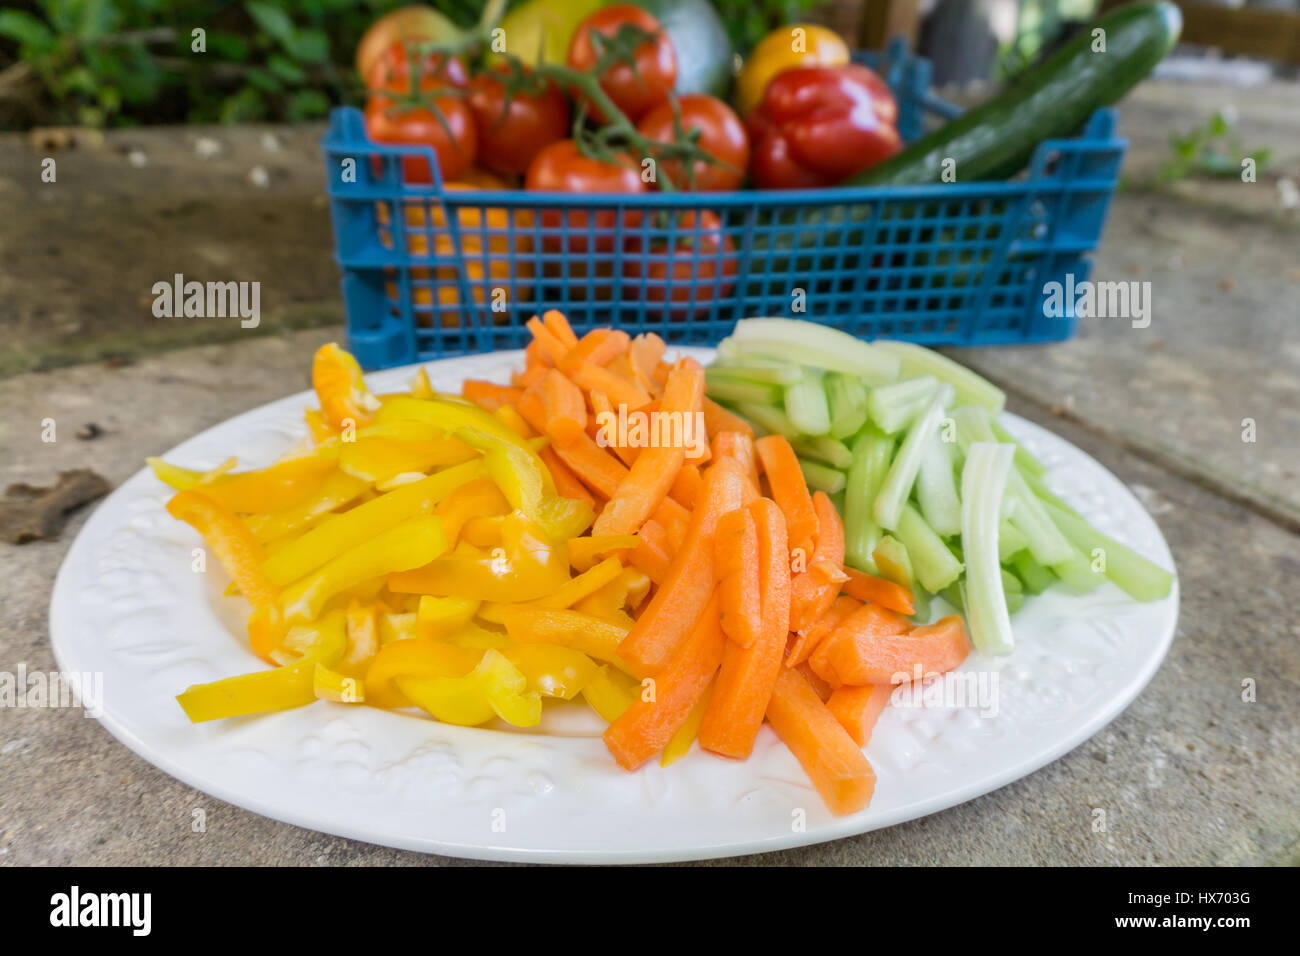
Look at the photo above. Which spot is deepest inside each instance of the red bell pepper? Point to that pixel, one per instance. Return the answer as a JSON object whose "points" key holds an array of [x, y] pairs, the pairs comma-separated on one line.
{"points": [[816, 126]]}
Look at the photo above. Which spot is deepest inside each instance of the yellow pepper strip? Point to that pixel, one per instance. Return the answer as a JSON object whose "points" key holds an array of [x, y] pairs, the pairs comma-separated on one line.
{"points": [[183, 478], [514, 466], [483, 531], [397, 627], [280, 689], [411, 544], [553, 671], [680, 743], [514, 421], [338, 489], [440, 617], [495, 686], [611, 602], [363, 639], [480, 498], [421, 387], [567, 595], [339, 534], [526, 567], [583, 552], [341, 388], [382, 459], [414, 658], [446, 414], [319, 427], [282, 485], [340, 688], [241, 555], [478, 637], [582, 632], [609, 693]]}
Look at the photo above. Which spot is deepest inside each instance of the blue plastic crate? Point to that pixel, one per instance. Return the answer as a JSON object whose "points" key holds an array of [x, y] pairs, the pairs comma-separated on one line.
{"points": [[948, 264]]}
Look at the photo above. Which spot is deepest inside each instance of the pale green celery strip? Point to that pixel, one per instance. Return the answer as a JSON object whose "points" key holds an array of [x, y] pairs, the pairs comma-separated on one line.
{"points": [[822, 477], [847, 398], [907, 463], [936, 488], [805, 404], [768, 418], [826, 449], [736, 390], [810, 343], [934, 564], [1134, 574], [972, 389], [892, 407], [872, 452], [983, 485]]}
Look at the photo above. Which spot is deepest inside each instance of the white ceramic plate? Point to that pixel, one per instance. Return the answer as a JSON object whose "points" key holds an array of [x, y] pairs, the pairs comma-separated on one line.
{"points": [[127, 604]]}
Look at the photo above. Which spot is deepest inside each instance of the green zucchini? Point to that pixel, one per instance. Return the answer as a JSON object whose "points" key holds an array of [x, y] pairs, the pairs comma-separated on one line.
{"points": [[704, 53], [997, 139]]}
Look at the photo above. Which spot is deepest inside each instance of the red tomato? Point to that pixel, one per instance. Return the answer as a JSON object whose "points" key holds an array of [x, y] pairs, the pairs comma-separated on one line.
{"points": [[688, 276], [722, 136], [512, 129], [638, 86], [561, 167], [442, 121]]}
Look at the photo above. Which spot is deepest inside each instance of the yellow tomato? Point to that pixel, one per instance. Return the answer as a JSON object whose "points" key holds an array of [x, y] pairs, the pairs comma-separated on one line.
{"points": [[802, 44]]}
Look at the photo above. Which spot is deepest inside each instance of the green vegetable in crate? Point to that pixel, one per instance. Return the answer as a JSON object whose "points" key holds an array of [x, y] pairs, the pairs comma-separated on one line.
{"points": [[539, 31], [1050, 101], [704, 54]]}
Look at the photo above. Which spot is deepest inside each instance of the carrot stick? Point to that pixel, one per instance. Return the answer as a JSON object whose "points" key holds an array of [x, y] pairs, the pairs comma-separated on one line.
{"points": [[534, 357], [812, 591], [688, 582], [858, 708], [823, 689], [869, 623], [489, 395], [645, 728], [789, 490], [558, 324], [595, 467], [896, 658], [644, 354], [655, 468], [834, 763], [866, 587], [584, 551], [686, 485], [548, 343], [806, 641], [740, 446], [736, 566], [567, 484], [529, 376], [748, 674], [598, 346], [600, 407], [620, 391], [680, 744], [718, 419], [652, 555], [563, 405]]}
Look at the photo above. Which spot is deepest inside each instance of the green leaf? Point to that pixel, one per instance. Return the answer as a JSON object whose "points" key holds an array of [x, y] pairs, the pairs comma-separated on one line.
{"points": [[310, 46], [273, 21], [26, 29], [308, 104], [264, 80], [228, 46], [285, 69]]}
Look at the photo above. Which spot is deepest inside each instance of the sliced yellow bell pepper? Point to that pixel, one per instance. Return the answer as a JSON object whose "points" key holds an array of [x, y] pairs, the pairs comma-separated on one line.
{"points": [[440, 617], [339, 534], [610, 692], [379, 459], [477, 637], [444, 413], [553, 671], [477, 499], [397, 627], [565, 596], [611, 602], [680, 743], [411, 544], [338, 687], [584, 552], [285, 687], [338, 489], [421, 387], [414, 658], [282, 485], [341, 388], [363, 640], [495, 686], [582, 632]]}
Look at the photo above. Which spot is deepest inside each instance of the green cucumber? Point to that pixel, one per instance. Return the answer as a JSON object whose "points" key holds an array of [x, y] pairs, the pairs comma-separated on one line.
{"points": [[1050, 101], [704, 53]]}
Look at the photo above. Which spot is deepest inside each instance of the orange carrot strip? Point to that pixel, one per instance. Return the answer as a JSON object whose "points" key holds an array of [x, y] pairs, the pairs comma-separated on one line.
{"points": [[529, 376], [718, 419], [549, 345], [563, 405], [813, 590], [529, 406], [686, 485], [655, 468], [584, 551], [489, 395], [558, 324], [789, 490], [598, 346], [740, 446], [806, 641], [675, 520], [823, 689], [748, 674], [645, 728], [866, 587], [534, 356], [834, 763], [652, 555], [899, 657], [858, 708], [871, 622], [644, 354], [599, 429], [595, 467], [688, 582], [567, 484], [736, 567], [620, 391]]}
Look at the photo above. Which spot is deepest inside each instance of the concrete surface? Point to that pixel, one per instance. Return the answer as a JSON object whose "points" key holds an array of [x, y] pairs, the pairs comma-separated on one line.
{"points": [[1189, 774]]}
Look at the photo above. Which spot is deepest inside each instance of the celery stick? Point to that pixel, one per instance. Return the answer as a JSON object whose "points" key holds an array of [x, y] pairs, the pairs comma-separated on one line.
{"points": [[810, 343], [805, 404], [971, 389], [983, 485], [936, 489], [769, 419], [872, 452], [893, 564], [847, 398], [892, 407], [1039, 487], [955, 595], [737, 390], [1076, 572], [1010, 539], [1025, 460], [826, 449], [768, 373], [902, 472], [1010, 582], [1015, 601], [1035, 577], [1135, 575], [821, 477], [933, 563]]}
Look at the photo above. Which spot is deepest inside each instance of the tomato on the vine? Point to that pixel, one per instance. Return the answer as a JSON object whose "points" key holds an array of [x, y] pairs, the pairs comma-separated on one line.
{"points": [[563, 167], [721, 135], [440, 119], [641, 81], [514, 125], [687, 275]]}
